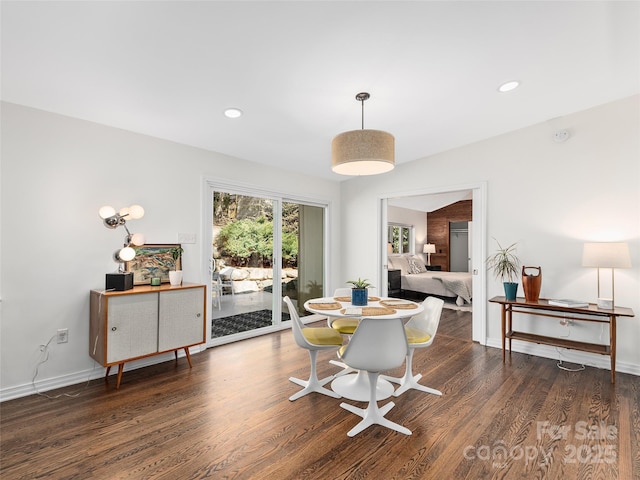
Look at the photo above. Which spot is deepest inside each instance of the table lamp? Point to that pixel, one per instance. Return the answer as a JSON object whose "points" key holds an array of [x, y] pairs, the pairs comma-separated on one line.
{"points": [[122, 280], [606, 255], [429, 248]]}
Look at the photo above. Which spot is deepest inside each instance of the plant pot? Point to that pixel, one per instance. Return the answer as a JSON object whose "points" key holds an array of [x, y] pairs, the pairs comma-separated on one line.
{"points": [[510, 290], [531, 284], [175, 277], [359, 297]]}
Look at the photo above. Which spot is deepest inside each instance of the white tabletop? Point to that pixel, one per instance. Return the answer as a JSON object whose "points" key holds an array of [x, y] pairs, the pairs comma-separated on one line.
{"points": [[346, 308]]}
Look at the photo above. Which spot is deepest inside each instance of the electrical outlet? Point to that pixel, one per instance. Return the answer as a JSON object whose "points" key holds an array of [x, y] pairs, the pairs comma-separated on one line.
{"points": [[186, 238], [63, 335]]}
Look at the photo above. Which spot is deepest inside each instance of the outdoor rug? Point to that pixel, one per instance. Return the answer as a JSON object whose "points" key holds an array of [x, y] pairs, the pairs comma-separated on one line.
{"points": [[242, 322]]}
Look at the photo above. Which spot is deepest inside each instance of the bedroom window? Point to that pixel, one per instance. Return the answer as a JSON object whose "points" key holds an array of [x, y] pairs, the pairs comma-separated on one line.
{"points": [[401, 238]]}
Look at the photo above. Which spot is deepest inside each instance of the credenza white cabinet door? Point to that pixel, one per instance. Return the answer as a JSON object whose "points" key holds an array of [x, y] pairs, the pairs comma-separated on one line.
{"points": [[132, 326], [181, 320]]}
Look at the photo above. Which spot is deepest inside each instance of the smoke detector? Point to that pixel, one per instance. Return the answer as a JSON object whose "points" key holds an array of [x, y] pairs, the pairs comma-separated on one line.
{"points": [[561, 136]]}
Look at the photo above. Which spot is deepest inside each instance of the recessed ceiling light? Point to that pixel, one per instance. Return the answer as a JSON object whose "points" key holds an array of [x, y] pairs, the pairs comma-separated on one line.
{"points": [[233, 113], [508, 86]]}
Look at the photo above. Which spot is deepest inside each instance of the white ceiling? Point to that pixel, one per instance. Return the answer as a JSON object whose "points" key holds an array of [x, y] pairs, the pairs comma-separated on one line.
{"points": [[169, 69]]}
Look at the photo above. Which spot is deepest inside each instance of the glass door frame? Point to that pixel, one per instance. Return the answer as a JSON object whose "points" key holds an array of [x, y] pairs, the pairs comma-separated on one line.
{"points": [[211, 185]]}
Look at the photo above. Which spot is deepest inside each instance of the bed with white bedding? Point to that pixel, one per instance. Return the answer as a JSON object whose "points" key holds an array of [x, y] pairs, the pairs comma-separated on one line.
{"points": [[416, 278]]}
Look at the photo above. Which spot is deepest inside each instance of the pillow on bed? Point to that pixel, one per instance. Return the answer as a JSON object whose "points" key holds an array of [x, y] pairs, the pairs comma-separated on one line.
{"points": [[416, 265], [390, 264], [420, 263], [401, 263]]}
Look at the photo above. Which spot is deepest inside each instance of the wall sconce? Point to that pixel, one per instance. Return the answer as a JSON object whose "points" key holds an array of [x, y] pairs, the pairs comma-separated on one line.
{"points": [[429, 248], [606, 255], [111, 219]]}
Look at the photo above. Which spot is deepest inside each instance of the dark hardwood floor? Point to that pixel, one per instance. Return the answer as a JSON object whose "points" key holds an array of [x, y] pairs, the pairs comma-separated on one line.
{"points": [[229, 418]]}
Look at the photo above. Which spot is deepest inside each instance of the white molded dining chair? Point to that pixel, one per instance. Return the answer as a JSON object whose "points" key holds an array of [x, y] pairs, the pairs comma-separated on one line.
{"points": [[345, 326], [313, 340], [377, 345], [420, 330]]}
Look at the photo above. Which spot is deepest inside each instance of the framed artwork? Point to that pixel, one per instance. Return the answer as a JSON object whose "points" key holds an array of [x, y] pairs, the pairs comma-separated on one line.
{"points": [[153, 261]]}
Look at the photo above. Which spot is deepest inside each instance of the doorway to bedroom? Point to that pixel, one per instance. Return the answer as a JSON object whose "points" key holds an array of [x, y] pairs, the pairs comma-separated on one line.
{"points": [[438, 222]]}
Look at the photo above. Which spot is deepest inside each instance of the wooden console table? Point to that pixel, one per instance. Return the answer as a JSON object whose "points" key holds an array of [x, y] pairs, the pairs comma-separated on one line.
{"points": [[542, 308]]}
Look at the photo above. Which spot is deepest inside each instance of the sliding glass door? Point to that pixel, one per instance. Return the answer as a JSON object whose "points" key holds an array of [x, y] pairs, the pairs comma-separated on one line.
{"points": [[304, 228], [262, 248], [242, 263]]}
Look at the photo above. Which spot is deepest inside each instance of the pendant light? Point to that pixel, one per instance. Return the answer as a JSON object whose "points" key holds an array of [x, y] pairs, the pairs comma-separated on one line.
{"points": [[362, 152]]}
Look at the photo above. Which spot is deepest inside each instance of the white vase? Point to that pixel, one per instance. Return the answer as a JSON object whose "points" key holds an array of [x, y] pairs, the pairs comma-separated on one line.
{"points": [[175, 277]]}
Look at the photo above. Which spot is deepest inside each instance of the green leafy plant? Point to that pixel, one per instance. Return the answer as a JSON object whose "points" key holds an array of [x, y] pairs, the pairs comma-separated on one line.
{"points": [[176, 253], [249, 242], [360, 283], [504, 263]]}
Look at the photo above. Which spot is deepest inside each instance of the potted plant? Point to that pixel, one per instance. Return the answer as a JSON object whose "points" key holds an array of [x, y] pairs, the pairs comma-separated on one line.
{"points": [[175, 275], [505, 265], [359, 292]]}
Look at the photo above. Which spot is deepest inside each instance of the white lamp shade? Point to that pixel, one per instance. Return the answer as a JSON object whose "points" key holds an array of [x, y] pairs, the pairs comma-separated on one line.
{"points": [[606, 255], [429, 248], [363, 152], [136, 212], [124, 212], [106, 211], [137, 239]]}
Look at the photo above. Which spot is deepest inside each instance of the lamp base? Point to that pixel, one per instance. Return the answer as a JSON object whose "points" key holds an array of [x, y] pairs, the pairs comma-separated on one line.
{"points": [[605, 303], [119, 281]]}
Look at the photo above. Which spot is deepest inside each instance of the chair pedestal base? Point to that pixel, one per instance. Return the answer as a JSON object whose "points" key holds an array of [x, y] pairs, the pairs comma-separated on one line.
{"points": [[345, 368], [356, 387], [313, 384], [372, 415], [409, 381]]}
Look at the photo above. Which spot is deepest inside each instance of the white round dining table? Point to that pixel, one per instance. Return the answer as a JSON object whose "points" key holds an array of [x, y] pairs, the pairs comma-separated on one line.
{"points": [[355, 386]]}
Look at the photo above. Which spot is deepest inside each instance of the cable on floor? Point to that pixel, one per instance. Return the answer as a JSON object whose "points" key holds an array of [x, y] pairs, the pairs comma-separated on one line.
{"points": [[44, 349]]}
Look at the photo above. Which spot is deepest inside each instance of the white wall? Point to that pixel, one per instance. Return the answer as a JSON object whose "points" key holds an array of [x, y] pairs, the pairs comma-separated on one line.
{"points": [[407, 216], [56, 172], [549, 197]]}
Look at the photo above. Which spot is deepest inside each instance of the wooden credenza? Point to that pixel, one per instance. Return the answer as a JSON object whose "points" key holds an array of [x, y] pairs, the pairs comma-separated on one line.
{"points": [[542, 308], [144, 321]]}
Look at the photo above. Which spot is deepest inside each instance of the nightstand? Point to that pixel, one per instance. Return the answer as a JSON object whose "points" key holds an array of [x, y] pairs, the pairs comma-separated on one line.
{"points": [[394, 283]]}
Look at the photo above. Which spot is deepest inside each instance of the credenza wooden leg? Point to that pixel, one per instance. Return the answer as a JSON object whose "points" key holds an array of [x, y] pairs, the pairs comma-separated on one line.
{"points": [[120, 370], [186, 352]]}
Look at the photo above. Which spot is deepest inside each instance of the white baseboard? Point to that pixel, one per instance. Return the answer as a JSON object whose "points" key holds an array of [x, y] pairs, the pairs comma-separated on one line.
{"points": [[80, 378], [567, 355]]}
